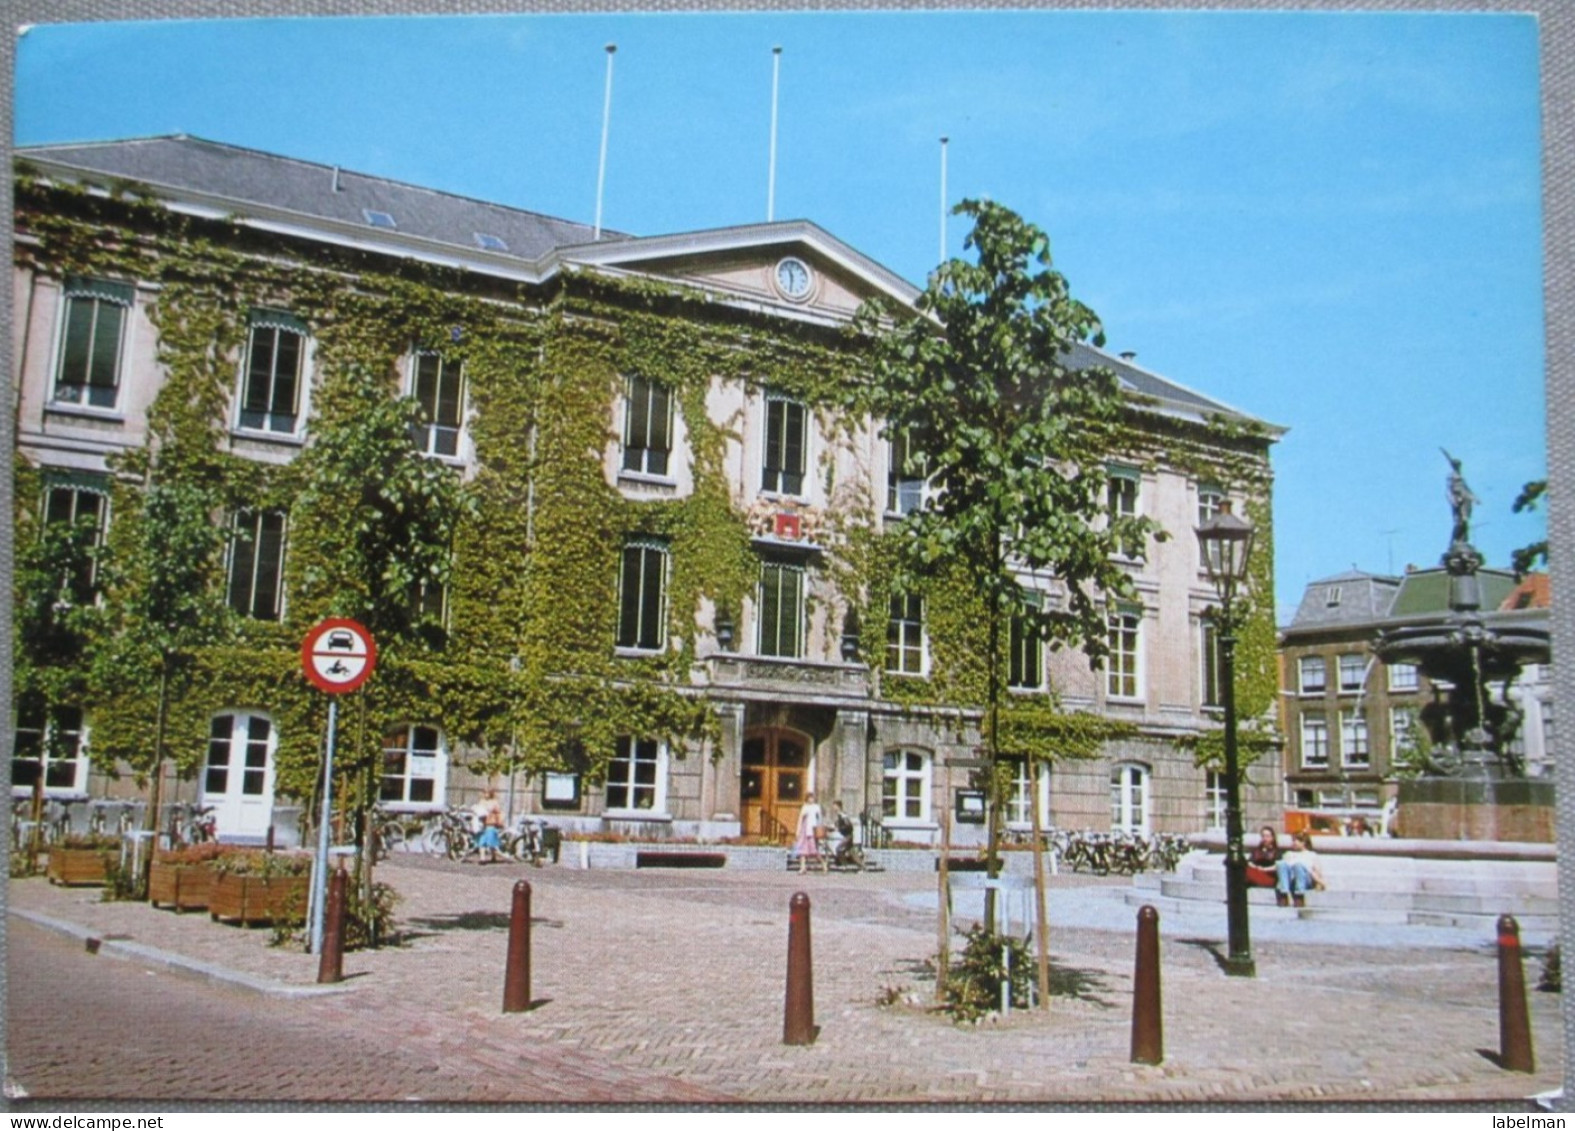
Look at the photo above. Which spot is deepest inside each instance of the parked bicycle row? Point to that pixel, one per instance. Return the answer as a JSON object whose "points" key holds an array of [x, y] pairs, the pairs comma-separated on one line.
{"points": [[1102, 853], [457, 833]]}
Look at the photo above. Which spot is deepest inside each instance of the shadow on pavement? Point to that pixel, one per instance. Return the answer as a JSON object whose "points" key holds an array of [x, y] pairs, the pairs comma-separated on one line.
{"points": [[469, 921]]}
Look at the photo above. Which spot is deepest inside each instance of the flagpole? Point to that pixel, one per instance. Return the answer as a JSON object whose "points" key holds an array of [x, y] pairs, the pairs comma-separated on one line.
{"points": [[942, 258], [771, 172], [601, 168]]}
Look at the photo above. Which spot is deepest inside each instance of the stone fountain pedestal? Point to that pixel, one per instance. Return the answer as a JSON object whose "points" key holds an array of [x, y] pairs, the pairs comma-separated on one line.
{"points": [[1479, 809]]}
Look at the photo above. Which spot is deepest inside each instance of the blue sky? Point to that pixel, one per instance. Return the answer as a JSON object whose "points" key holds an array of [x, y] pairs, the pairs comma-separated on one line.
{"points": [[1329, 220]]}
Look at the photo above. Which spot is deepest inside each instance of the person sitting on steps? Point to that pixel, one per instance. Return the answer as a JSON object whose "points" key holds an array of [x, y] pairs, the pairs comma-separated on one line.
{"points": [[1262, 859], [1297, 872]]}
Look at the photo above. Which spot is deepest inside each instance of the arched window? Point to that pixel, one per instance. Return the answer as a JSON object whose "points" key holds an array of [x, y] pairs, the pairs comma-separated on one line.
{"points": [[1129, 799], [415, 768]]}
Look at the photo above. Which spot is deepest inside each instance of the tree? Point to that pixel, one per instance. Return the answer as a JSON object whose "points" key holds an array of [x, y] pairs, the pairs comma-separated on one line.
{"points": [[1529, 557], [1014, 442]]}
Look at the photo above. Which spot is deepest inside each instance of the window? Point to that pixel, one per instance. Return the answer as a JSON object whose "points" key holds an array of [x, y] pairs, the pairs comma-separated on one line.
{"points": [[250, 736], [781, 609], [415, 767], [1026, 655], [1122, 664], [905, 636], [92, 336], [1403, 737], [636, 777], [642, 580], [1214, 799], [1315, 742], [429, 603], [647, 427], [786, 424], [1018, 814], [1213, 676], [85, 510], [1129, 800], [1121, 488], [1331, 596], [904, 475], [1353, 740], [48, 744], [1353, 672], [905, 786], [1403, 677], [438, 387], [1313, 675], [257, 564], [271, 393], [1210, 499]]}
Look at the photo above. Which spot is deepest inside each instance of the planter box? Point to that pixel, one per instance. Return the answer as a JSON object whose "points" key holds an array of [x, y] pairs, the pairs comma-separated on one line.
{"points": [[88, 867], [258, 899], [185, 887]]}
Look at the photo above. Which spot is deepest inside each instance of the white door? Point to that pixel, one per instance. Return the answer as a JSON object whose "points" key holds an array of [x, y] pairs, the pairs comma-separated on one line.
{"points": [[238, 778]]}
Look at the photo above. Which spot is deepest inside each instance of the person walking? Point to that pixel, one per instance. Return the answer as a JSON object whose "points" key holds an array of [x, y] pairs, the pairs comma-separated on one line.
{"points": [[806, 842]]}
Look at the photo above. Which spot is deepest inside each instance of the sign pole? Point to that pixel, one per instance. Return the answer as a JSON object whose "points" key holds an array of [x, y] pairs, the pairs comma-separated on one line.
{"points": [[320, 870]]}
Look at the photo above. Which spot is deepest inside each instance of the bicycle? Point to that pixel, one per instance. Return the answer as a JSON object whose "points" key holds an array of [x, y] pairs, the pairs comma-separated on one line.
{"points": [[192, 824], [526, 840], [457, 833], [98, 820], [388, 830]]}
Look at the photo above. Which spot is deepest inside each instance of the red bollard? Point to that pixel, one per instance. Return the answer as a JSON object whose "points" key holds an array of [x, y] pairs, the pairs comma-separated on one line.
{"points": [[1514, 1023], [1148, 1040], [798, 1014], [331, 963], [516, 976]]}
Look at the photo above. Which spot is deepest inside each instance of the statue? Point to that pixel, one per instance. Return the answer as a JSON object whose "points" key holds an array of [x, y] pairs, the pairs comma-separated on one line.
{"points": [[1460, 500]]}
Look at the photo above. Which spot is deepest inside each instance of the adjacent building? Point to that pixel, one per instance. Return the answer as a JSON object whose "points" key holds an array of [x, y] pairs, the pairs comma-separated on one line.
{"points": [[666, 614]]}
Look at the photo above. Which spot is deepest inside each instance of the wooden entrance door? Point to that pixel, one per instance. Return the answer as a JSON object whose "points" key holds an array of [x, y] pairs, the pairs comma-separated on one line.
{"points": [[774, 782]]}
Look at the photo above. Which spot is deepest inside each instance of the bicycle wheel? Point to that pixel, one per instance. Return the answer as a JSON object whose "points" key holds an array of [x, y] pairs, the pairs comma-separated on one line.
{"points": [[459, 844], [433, 841]]}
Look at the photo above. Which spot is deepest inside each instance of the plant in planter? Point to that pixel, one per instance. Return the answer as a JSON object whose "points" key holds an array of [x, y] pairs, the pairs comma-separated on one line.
{"points": [[259, 887], [182, 878], [85, 860]]}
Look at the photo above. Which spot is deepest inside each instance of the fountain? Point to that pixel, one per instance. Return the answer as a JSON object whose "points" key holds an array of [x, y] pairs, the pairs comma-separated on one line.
{"points": [[1473, 787]]}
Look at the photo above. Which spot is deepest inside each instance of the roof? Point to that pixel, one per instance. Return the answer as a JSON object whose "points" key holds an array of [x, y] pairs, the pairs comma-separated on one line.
{"points": [[1427, 591], [1345, 600], [1534, 592], [314, 200]]}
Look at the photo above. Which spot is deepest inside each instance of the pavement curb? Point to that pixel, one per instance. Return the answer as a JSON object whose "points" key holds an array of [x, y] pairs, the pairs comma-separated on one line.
{"points": [[127, 950]]}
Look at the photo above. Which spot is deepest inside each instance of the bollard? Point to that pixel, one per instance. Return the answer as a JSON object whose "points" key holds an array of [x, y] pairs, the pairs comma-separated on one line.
{"points": [[1514, 1024], [331, 962], [1148, 1040], [798, 1014], [516, 976]]}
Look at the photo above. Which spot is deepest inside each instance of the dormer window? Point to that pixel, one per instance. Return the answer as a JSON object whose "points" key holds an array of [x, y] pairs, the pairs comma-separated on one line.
{"points": [[488, 242], [378, 219], [1331, 596]]}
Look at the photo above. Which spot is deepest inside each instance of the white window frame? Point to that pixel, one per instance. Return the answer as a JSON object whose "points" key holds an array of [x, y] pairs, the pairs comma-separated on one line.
{"points": [[1211, 674], [647, 577], [907, 489], [795, 648], [1344, 665], [248, 521], [774, 480], [1131, 798], [1355, 748], [432, 429], [1404, 677], [45, 730], [640, 751], [1315, 733], [99, 293], [278, 324], [1214, 799], [1124, 663], [429, 758], [639, 459], [907, 643], [904, 786], [1305, 666], [1018, 816], [1026, 651], [238, 735], [1211, 500], [77, 490]]}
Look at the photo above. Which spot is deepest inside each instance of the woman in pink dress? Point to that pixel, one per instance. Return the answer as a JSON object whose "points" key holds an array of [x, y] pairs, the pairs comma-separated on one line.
{"points": [[806, 841]]}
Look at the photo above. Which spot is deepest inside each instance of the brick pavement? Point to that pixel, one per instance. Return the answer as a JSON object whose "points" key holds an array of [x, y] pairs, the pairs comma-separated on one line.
{"points": [[651, 980]]}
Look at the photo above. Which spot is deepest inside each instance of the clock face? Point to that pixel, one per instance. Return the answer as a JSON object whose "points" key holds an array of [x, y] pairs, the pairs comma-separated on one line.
{"points": [[793, 278]]}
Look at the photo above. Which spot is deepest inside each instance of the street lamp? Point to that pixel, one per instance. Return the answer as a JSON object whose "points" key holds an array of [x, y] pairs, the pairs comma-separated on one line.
{"points": [[1225, 542]]}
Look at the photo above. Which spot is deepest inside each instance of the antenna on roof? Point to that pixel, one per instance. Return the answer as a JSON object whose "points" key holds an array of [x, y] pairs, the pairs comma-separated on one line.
{"points": [[771, 171], [601, 168], [944, 141]]}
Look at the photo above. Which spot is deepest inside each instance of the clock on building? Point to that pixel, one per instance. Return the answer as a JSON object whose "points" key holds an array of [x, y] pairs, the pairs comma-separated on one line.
{"points": [[793, 278]]}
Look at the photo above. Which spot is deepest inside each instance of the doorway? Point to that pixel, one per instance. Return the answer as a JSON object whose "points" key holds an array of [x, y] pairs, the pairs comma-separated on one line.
{"points": [[237, 779], [774, 780]]}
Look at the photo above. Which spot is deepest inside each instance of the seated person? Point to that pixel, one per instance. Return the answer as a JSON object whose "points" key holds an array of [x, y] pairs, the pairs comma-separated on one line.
{"points": [[1262, 859], [1297, 873]]}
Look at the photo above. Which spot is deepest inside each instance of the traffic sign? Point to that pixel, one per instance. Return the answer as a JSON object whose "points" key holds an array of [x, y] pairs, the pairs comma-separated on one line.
{"points": [[338, 655]]}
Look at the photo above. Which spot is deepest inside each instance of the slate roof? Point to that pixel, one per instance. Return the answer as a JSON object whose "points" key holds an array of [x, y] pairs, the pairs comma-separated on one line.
{"points": [[187, 163], [1361, 599]]}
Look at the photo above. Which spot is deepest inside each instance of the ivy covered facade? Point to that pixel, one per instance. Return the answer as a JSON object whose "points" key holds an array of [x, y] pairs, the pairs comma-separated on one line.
{"points": [[622, 543]]}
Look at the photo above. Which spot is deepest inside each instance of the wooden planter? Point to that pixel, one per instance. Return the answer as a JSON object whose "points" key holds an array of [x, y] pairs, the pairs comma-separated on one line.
{"points": [[185, 887], [258, 899], [85, 866]]}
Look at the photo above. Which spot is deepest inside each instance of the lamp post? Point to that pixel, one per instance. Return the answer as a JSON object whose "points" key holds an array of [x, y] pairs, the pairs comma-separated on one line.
{"points": [[1225, 542]]}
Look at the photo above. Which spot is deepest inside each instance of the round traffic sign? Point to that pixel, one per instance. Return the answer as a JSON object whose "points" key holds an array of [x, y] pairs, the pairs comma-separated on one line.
{"points": [[338, 655]]}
